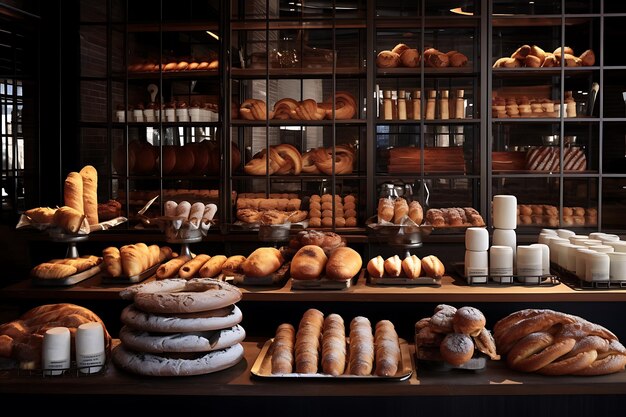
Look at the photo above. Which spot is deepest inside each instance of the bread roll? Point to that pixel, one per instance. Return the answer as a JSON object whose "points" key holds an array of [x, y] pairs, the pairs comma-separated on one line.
{"points": [[49, 270], [416, 212], [385, 210], [212, 267], [262, 262], [73, 192], [133, 260], [233, 264], [191, 267], [334, 345], [170, 268], [90, 193], [393, 266], [68, 219], [410, 58], [400, 210], [387, 59], [343, 264], [376, 267], [112, 261], [432, 266], [41, 215], [521, 52], [412, 267], [308, 263]]}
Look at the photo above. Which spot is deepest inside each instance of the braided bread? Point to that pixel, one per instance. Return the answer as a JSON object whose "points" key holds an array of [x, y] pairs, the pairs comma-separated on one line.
{"points": [[554, 343]]}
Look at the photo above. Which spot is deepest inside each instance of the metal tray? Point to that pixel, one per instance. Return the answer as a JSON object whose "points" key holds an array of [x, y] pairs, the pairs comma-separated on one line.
{"points": [[71, 280], [262, 367], [322, 284], [277, 278], [133, 279], [404, 281]]}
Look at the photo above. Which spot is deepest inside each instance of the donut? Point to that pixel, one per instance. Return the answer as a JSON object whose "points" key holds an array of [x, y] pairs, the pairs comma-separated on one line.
{"points": [[456, 348], [194, 322], [161, 365], [198, 294], [468, 320], [206, 341]]}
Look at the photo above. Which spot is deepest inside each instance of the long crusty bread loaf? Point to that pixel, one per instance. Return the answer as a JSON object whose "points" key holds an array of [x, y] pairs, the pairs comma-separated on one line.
{"points": [[90, 193], [387, 345], [361, 354], [283, 349], [73, 192], [308, 341], [334, 345]]}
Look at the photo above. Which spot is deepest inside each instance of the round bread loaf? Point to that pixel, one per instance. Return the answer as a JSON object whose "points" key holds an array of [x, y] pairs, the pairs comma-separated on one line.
{"points": [[343, 264], [262, 262], [162, 365], [142, 341], [195, 322], [456, 348]]}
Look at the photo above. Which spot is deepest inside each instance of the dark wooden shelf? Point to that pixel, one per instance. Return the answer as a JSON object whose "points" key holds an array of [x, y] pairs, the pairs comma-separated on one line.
{"points": [[291, 73], [465, 71]]}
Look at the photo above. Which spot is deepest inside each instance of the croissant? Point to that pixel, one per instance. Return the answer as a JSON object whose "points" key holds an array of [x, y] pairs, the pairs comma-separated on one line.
{"points": [[292, 157], [258, 164], [345, 106], [308, 110], [283, 108], [254, 109]]}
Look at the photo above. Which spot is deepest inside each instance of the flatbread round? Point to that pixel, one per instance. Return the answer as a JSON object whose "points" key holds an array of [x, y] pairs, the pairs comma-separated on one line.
{"points": [[181, 342], [162, 365]]}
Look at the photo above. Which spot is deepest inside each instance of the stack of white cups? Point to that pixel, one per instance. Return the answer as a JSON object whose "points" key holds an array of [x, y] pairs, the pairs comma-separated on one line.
{"points": [[476, 256], [505, 223]]}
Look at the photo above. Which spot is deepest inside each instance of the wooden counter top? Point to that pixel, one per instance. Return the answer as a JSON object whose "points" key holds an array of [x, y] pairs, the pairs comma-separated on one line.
{"points": [[452, 289], [496, 379]]}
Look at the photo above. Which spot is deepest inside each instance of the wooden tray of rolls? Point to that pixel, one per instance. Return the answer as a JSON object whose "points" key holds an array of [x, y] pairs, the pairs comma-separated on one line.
{"points": [[70, 280], [277, 278], [262, 367], [133, 279]]}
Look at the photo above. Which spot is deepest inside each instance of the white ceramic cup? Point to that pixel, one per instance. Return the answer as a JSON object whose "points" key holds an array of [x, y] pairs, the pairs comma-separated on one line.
{"points": [[476, 266], [501, 263], [90, 353], [505, 212], [476, 239], [545, 257], [617, 268], [56, 351]]}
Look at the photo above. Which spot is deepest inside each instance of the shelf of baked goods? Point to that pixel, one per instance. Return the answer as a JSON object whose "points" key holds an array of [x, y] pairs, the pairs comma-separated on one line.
{"points": [[297, 72], [405, 60]]}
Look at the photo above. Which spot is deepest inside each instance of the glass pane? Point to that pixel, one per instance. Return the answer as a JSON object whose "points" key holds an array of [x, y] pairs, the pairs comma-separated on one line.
{"points": [[613, 203], [614, 93], [538, 7], [614, 148], [398, 8], [613, 25]]}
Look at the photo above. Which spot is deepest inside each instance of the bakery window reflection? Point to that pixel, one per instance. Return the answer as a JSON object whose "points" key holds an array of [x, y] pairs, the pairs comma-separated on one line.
{"points": [[11, 102]]}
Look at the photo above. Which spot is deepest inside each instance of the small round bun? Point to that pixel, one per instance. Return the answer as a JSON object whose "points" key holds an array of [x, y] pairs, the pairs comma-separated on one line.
{"points": [[456, 348], [468, 320]]}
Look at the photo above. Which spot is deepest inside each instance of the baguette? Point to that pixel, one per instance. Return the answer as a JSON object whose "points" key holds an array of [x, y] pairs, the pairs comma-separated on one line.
{"points": [[361, 351], [68, 219], [308, 341], [387, 348], [73, 192], [282, 349], [133, 260], [49, 270], [90, 193], [190, 268], [334, 345]]}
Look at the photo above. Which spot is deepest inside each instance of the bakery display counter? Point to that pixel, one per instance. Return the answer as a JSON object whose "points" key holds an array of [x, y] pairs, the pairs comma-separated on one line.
{"points": [[238, 381], [452, 289]]}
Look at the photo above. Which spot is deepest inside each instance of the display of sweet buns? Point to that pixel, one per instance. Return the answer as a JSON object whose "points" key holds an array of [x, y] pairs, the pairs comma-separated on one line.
{"points": [[404, 56], [174, 65], [551, 342], [532, 56], [328, 211], [328, 241], [453, 336], [410, 267], [548, 215], [454, 217], [269, 210]]}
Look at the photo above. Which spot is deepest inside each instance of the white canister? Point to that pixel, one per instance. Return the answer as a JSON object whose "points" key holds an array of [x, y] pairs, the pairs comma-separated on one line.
{"points": [[592, 242], [554, 254], [596, 235], [90, 352], [476, 239], [545, 257], [505, 212], [571, 257], [56, 351], [617, 268], [562, 249], [565, 233], [543, 237], [597, 266], [501, 263], [548, 231], [529, 265], [476, 266], [602, 248], [619, 246], [578, 239], [505, 237], [581, 262], [608, 237], [138, 115]]}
